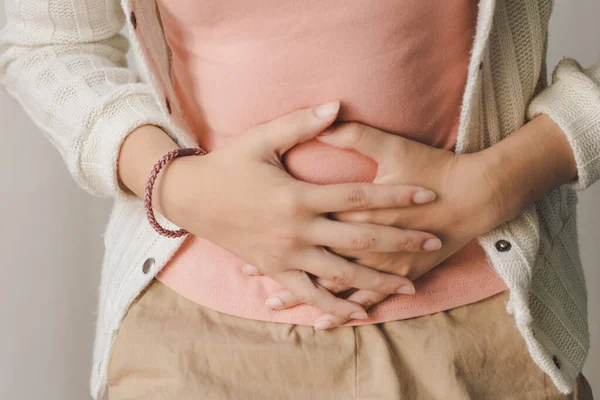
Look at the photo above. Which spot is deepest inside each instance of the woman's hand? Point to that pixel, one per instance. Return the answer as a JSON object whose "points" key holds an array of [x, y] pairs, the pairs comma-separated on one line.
{"points": [[467, 205], [241, 198]]}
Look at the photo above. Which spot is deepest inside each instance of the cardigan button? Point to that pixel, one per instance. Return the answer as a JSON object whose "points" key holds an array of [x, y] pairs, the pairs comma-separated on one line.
{"points": [[133, 20], [168, 105], [148, 264], [556, 362], [503, 245], [481, 65]]}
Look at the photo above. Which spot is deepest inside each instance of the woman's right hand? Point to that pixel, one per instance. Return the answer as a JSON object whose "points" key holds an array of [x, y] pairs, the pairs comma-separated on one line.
{"points": [[241, 198]]}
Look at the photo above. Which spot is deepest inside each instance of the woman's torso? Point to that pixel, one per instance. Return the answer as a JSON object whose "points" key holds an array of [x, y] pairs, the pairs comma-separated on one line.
{"points": [[398, 66]]}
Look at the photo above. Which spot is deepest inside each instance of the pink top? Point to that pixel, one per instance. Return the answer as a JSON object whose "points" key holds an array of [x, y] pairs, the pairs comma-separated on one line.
{"points": [[400, 66]]}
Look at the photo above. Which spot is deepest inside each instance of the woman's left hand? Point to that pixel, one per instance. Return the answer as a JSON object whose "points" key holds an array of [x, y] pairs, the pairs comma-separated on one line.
{"points": [[467, 205]]}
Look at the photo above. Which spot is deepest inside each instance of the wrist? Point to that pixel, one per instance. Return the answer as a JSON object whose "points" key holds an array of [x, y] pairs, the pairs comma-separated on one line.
{"points": [[171, 195], [534, 160], [505, 197], [148, 192], [142, 148]]}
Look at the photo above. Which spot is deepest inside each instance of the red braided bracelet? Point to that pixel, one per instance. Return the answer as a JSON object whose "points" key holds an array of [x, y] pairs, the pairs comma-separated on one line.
{"points": [[193, 151]]}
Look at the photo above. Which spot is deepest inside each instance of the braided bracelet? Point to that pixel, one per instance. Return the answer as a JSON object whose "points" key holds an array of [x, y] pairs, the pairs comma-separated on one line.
{"points": [[192, 151]]}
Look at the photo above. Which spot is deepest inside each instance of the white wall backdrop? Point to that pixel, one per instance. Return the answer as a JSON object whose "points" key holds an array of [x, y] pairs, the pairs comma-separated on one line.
{"points": [[50, 241]]}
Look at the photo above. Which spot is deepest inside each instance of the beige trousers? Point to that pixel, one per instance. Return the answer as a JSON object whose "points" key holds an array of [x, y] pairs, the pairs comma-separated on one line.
{"points": [[171, 348]]}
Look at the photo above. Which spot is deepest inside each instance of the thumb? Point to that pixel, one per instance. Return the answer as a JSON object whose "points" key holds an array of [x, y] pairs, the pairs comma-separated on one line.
{"points": [[285, 132], [367, 140]]}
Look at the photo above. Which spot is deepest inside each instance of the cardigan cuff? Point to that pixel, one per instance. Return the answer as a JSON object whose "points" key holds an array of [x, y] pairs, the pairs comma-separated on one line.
{"points": [[573, 102], [96, 163]]}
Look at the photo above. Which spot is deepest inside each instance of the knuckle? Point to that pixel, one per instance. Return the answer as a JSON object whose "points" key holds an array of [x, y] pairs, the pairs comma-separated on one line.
{"points": [[289, 237], [342, 277], [406, 242], [296, 119], [379, 282], [308, 299], [288, 199], [362, 241], [402, 196], [357, 197]]}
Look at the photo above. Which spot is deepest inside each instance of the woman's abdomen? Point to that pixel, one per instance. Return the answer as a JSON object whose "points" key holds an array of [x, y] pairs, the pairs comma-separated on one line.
{"points": [[386, 71]]}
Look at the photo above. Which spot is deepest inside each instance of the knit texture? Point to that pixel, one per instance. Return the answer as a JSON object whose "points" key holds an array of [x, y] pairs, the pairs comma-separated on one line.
{"points": [[65, 63]]}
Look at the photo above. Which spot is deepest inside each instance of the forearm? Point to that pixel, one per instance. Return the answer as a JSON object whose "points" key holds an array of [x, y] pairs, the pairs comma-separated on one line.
{"points": [[73, 79], [573, 102], [532, 161]]}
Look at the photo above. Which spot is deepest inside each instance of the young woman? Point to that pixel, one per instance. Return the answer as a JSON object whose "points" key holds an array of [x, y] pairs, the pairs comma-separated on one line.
{"points": [[385, 209]]}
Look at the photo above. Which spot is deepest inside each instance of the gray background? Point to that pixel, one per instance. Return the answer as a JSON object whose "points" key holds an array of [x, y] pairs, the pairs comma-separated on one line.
{"points": [[50, 238]]}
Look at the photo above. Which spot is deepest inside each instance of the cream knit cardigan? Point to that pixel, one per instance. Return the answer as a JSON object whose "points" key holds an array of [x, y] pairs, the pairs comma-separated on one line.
{"points": [[65, 63]]}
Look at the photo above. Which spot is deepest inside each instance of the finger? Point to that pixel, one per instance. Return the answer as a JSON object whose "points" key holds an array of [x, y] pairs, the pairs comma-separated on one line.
{"points": [[326, 265], [385, 216], [366, 298], [365, 139], [307, 292], [333, 287], [251, 270], [282, 299], [388, 216], [363, 196], [285, 132], [369, 237]]}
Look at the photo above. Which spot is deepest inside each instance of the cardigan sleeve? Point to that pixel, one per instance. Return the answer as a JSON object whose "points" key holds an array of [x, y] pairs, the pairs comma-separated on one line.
{"points": [[572, 100], [65, 62]]}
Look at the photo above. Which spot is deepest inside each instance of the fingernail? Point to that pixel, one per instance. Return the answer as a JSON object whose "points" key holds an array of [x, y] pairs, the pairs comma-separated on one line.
{"points": [[424, 196], [432, 244], [249, 269], [321, 325], [325, 111], [406, 289], [359, 315], [274, 302]]}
